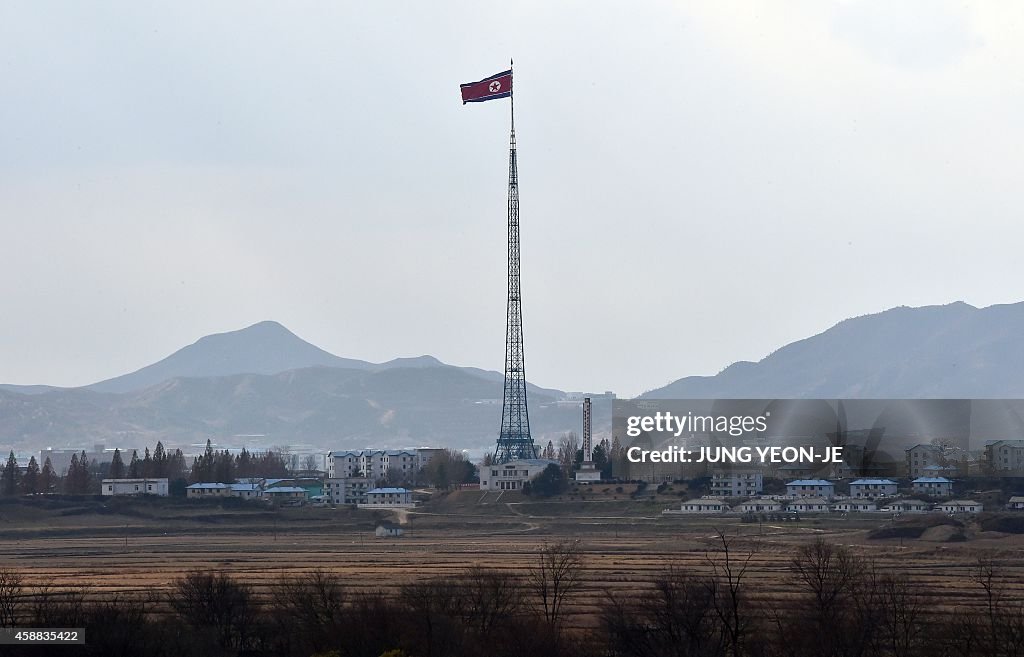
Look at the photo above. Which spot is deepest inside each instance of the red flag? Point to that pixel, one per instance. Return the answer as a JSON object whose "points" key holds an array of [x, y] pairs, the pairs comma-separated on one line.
{"points": [[496, 86]]}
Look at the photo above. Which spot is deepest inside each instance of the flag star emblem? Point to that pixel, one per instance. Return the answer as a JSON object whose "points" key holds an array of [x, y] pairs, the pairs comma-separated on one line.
{"points": [[495, 86]]}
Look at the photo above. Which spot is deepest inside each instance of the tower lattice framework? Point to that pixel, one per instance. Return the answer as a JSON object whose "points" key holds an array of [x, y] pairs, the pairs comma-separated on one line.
{"points": [[514, 441]]}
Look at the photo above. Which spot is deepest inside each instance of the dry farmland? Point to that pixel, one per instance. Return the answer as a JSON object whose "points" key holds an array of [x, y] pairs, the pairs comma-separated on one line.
{"points": [[138, 547]]}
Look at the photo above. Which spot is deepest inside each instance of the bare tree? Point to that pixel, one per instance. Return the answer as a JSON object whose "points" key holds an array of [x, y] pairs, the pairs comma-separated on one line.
{"points": [[727, 595], [437, 608], [491, 596], [986, 575], [216, 601], [675, 620], [845, 609], [10, 596], [59, 607], [568, 445], [555, 576], [828, 571], [310, 462], [903, 617], [681, 610], [313, 604]]}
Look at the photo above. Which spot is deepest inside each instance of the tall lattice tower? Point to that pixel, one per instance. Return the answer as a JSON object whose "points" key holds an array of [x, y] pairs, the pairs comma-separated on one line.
{"points": [[514, 441]]}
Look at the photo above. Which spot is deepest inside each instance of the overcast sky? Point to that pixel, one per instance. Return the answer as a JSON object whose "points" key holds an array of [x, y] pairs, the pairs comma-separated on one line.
{"points": [[701, 182]]}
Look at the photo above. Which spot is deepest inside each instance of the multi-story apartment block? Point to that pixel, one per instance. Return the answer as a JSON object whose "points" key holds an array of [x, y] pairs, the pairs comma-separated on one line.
{"points": [[347, 490], [736, 484], [375, 463], [1004, 456]]}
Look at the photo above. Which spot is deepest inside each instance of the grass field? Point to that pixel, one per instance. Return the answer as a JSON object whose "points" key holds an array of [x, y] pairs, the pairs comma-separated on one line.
{"points": [[138, 547]]}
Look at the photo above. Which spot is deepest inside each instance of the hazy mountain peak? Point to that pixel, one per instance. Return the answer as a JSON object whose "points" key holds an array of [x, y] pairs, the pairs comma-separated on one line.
{"points": [[414, 361], [944, 351], [266, 347]]}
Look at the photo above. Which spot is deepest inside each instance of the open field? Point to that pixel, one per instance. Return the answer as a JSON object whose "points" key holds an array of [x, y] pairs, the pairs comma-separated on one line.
{"points": [[138, 547]]}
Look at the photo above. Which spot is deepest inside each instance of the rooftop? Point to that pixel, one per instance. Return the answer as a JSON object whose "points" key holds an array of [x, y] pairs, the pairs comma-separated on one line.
{"points": [[537, 462], [371, 452], [896, 503]]}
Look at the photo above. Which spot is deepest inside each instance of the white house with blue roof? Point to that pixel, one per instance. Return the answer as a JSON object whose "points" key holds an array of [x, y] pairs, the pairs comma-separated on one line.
{"points": [[290, 494], [934, 486], [246, 490], [872, 488], [811, 488]]}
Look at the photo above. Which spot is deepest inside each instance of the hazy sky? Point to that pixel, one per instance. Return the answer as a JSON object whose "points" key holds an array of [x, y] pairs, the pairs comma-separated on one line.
{"points": [[701, 182]]}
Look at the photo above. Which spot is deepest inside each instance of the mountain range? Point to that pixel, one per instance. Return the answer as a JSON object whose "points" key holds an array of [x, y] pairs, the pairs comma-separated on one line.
{"points": [[954, 351], [265, 381]]}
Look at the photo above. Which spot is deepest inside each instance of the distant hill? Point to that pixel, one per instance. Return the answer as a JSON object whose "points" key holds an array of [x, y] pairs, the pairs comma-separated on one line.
{"points": [[330, 406], [265, 380], [950, 351], [263, 348]]}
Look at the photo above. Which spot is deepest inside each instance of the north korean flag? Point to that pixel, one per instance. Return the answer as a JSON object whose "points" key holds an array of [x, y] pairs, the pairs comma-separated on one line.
{"points": [[496, 86]]}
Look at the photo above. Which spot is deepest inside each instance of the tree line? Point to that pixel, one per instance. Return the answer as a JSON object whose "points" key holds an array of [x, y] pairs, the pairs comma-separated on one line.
{"points": [[84, 474], [226, 468], [836, 603], [35, 480]]}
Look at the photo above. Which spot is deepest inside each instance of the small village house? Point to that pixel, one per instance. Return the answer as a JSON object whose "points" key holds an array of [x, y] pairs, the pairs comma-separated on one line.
{"points": [[809, 505], [811, 488], [907, 506], [854, 506], [701, 505], [286, 494], [208, 490], [759, 505], [388, 530], [135, 487], [933, 486], [960, 506], [244, 490], [872, 488], [388, 498]]}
